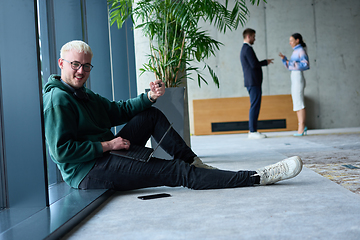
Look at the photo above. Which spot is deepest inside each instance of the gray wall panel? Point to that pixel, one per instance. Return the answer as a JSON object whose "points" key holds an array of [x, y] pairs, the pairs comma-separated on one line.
{"points": [[338, 55], [330, 29]]}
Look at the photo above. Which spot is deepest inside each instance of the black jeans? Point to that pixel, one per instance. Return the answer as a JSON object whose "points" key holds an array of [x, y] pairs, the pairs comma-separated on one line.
{"points": [[113, 172]]}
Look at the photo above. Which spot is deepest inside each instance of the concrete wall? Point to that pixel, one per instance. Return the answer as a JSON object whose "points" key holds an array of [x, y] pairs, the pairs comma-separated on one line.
{"points": [[330, 30]]}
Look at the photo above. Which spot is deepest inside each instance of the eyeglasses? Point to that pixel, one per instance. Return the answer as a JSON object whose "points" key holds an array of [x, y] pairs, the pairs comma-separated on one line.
{"points": [[76, 65]]}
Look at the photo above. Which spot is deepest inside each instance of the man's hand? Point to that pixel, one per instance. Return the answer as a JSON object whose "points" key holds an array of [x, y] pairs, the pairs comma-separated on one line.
{"points": [[115, 144], [269, 61], [157, 89]]}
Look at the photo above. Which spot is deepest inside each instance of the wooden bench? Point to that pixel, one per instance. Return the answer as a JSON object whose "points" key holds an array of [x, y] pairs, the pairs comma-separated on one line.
{"points": [[231, 115]]}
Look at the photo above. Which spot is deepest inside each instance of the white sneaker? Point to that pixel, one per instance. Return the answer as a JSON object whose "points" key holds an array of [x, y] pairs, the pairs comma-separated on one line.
{"points": [[285, 169], [256, 135], [198, 163]]}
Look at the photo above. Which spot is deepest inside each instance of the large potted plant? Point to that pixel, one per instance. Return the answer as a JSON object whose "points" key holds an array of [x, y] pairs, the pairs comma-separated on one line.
{"points": [[176, 39], [176, 42]]}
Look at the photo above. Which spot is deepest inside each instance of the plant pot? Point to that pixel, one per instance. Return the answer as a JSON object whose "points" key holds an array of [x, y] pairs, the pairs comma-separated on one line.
{"points": [[174, 105]]}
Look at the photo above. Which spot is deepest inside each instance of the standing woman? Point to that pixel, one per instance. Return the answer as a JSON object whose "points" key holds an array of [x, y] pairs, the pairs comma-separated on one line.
{"points": [[298, 62]]}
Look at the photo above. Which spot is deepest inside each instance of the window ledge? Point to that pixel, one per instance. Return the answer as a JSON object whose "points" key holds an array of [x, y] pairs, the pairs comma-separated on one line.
{"points": [[54, 221]]}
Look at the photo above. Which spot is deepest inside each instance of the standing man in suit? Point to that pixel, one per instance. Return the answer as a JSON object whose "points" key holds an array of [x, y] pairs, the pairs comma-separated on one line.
{"points": [[253, 78]]}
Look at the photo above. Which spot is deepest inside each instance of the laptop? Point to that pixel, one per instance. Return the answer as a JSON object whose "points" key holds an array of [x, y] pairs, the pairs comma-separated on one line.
{"points": [[139, 153]]}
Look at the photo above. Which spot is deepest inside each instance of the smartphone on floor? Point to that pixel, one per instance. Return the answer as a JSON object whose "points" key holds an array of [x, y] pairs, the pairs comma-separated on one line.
{"points": [[154, 196]]}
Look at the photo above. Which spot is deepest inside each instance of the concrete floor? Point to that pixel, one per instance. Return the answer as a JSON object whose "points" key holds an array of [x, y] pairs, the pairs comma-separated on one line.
{"points": [[322, 202]]}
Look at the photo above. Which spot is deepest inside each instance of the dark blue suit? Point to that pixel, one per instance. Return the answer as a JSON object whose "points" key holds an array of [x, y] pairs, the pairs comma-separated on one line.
{"points": [[253, 78]]}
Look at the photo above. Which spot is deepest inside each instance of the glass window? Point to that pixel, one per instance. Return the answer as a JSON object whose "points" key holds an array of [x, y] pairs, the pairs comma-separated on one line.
{"points": [[33, 182], [2, 165], [21, 115]]}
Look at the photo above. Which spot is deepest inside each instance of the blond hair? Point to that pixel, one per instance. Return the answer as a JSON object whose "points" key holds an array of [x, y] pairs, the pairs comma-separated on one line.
{"points": [[77, 45]]}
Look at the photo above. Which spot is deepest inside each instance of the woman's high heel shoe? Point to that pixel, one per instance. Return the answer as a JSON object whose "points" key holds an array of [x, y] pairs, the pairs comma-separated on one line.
{"points": [[301, 134]]}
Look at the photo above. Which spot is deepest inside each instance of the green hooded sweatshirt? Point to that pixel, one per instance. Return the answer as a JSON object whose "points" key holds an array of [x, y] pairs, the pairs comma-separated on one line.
{"points": [[75, 128]]}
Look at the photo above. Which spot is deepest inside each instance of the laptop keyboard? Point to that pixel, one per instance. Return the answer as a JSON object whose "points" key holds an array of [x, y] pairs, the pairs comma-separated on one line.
{"points": [[139, 152]]}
